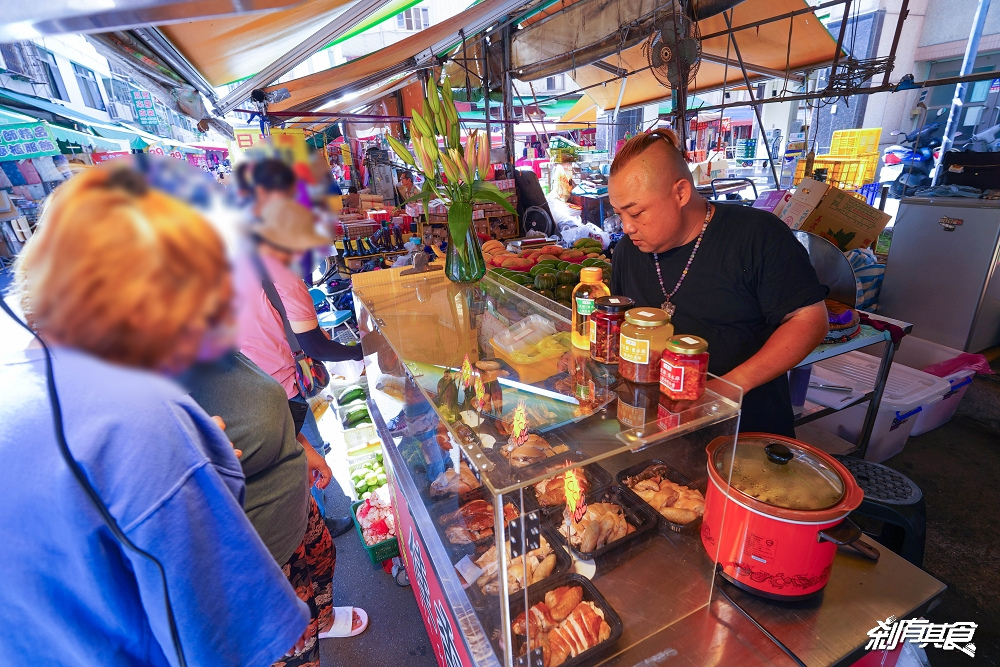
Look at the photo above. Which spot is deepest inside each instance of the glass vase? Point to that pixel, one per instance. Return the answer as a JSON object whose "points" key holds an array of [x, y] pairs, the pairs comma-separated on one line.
{"points": [[464, 262]]}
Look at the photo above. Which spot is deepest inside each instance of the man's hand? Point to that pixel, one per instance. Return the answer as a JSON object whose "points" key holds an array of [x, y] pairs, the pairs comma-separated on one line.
{"points": [[222, 425], [799, 334], [319, 471]]}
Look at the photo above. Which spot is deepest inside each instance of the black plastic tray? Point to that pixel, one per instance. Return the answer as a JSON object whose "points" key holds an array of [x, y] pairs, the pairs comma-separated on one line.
{"points": [[563, 564], [537, 593], [674, 476], [637, 513], [598, 478]]}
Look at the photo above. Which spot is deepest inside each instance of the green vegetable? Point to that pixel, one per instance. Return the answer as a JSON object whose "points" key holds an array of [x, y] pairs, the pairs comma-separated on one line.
{"points": [[366, 495], [351, 394], [564, 292], [548, 294], [567, 278], [546, 281], [549, 260], [357, 416], [382, 479]]}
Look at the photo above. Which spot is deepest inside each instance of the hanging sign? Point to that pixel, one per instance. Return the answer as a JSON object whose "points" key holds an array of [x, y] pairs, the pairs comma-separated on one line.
{"points": [[574, 495], [24, 140], [519, 427], [145, 107], [289, 144], [104, 156]]}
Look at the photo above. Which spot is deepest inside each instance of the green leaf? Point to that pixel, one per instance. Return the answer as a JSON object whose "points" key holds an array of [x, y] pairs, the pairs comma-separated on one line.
{"points": [[459, 219], [487, 192]]}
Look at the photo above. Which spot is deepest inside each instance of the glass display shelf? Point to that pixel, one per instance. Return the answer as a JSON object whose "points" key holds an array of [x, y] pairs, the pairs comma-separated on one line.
{"points": [[475, 470]]}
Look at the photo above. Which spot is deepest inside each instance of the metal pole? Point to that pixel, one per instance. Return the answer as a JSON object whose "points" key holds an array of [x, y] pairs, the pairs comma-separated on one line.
{"points": [[840, 39], [876, 400], [484, 80], [614, 117], [971, 49], [904, 11], [756, 108], [508, 96]]}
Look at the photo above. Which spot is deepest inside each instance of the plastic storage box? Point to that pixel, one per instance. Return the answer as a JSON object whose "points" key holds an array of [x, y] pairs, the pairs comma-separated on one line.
{"points": [[920, 353], [908, 392]]}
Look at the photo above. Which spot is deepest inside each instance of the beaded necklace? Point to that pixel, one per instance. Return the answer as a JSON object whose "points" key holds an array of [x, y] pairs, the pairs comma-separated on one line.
{"points": [[667, 306]]}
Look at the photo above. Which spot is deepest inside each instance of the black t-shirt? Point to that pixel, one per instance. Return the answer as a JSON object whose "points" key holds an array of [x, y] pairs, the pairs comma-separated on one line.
{"points": [[749, 273]]}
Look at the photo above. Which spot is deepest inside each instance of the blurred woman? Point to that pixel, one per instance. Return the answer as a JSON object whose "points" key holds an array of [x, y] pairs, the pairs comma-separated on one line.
{"points": [[157, 558]]}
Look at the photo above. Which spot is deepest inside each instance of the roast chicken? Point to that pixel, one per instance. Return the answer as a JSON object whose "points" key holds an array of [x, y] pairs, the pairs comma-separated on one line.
{"points": [[540, 564], [602, 524], [473, 521], [674, 502], [563, 626]]}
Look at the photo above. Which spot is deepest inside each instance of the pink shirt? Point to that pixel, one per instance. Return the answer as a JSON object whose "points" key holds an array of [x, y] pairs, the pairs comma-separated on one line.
{"points": [[261, 334]]}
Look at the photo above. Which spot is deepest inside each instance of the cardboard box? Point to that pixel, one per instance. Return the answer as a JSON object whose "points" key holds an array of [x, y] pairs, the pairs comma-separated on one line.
{"points": [[836, 215], [704, 172], [774, 201]]}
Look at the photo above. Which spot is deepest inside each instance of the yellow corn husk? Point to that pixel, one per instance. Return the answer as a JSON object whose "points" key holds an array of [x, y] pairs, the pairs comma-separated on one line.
{"points": [[400, 150], [432, 95]]}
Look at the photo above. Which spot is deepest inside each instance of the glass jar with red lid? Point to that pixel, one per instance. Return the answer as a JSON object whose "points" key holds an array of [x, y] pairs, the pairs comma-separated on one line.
{"points": [[684, 367], [605, 327]]}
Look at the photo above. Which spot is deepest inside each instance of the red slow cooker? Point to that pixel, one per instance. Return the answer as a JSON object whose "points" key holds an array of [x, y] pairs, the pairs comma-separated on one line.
{"points": [[775, 523]]}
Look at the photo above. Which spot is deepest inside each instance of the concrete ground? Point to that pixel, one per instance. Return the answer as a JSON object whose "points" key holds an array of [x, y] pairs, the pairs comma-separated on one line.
{"points": [[957, 467]]}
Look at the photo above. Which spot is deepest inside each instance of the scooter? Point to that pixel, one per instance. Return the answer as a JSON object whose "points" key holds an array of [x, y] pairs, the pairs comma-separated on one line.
{"points": [[912, 166]]}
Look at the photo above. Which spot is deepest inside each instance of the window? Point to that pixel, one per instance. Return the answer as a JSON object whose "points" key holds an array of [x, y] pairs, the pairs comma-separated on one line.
{"points": [[57, 89], [550, 83], [413, 19], [88, 87]]}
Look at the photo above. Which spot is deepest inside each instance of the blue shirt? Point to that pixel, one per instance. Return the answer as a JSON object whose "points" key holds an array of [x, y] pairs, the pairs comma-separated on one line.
{"points": [[70, 593]]}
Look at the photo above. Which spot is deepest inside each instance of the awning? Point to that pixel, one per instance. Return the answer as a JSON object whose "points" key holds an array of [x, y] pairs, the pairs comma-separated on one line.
{"points": [[765, 46], [8, 116], [354, 101], [84, 139], [228, 49], [584, 111], [438, 38]]}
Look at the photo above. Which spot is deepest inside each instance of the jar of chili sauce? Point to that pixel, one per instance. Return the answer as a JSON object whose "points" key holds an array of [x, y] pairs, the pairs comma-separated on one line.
{"points": [[605, 327], [684, 367], [643, 338]]}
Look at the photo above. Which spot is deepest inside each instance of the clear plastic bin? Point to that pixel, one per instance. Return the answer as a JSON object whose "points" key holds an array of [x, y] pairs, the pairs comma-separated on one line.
{"points": [[528, 331], [919, 353], [908, 392]]}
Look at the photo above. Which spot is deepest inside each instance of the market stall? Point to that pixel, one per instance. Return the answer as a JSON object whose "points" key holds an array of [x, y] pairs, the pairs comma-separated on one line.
{"points": [[480, 453]]}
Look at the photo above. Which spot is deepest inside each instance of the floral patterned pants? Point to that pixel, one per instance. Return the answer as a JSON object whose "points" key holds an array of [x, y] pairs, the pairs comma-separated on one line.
{"points": [[310, 571]]}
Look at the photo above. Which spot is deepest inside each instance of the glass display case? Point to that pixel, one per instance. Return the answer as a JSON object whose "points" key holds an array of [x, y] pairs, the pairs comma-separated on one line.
{"points": [[548, 511]]}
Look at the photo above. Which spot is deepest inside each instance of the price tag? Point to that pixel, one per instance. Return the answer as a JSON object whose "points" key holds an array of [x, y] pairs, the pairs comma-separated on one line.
{"points": [[519, 429], [574, 495], [466, 373]]}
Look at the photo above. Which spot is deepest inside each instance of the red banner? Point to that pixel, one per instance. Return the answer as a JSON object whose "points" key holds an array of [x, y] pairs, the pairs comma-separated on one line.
{"points": [[442, 629], [109, 155]]}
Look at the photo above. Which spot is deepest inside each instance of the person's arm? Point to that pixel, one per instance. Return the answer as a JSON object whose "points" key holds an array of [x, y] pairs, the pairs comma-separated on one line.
{"points": [[319, 470], [798, 335], [317, 345]]}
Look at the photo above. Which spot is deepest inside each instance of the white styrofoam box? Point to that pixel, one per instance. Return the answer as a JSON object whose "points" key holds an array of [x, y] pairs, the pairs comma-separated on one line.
{"points": [[920, 353], [907, 393]]}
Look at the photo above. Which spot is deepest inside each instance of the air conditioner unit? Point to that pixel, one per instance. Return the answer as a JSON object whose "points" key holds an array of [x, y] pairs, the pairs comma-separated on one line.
{"points": [[120, 111]]}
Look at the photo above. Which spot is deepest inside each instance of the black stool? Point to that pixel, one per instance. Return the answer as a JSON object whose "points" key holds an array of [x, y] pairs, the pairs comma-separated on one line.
{"points": [[893, 510]]}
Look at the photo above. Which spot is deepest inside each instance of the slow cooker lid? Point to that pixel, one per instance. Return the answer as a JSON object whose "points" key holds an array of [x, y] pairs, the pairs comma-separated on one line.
{"points": [[779, 473]]}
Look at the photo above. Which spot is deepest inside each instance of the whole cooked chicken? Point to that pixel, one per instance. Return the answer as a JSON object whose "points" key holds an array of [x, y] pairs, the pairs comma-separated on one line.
{"points": [[674, 502], [535, 449], [451, 482], [563, 626], [540, 564], [602, 524], [552, 492], [472, 521]]}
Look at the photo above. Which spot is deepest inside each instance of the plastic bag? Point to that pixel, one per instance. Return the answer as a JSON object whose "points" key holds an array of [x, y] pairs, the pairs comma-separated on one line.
{"points": [[962, 362]]}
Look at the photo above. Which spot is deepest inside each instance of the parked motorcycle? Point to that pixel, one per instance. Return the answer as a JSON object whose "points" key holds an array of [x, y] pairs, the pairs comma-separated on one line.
{"points": [[910, 162]]}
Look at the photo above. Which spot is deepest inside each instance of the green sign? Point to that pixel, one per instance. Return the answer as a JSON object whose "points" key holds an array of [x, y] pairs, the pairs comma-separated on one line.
{"points": [[145, 108], [23, 140]]}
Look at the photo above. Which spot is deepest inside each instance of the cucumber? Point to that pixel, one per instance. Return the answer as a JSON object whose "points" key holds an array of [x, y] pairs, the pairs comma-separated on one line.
{"points": [[356, 416], [351, 394]]}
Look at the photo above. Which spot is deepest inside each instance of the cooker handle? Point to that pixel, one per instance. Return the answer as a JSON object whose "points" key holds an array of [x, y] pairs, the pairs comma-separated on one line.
{"points": [[847, 533]]}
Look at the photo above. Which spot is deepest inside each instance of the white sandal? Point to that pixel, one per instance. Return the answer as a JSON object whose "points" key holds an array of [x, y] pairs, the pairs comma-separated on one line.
{"points": [[343, 622]]}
